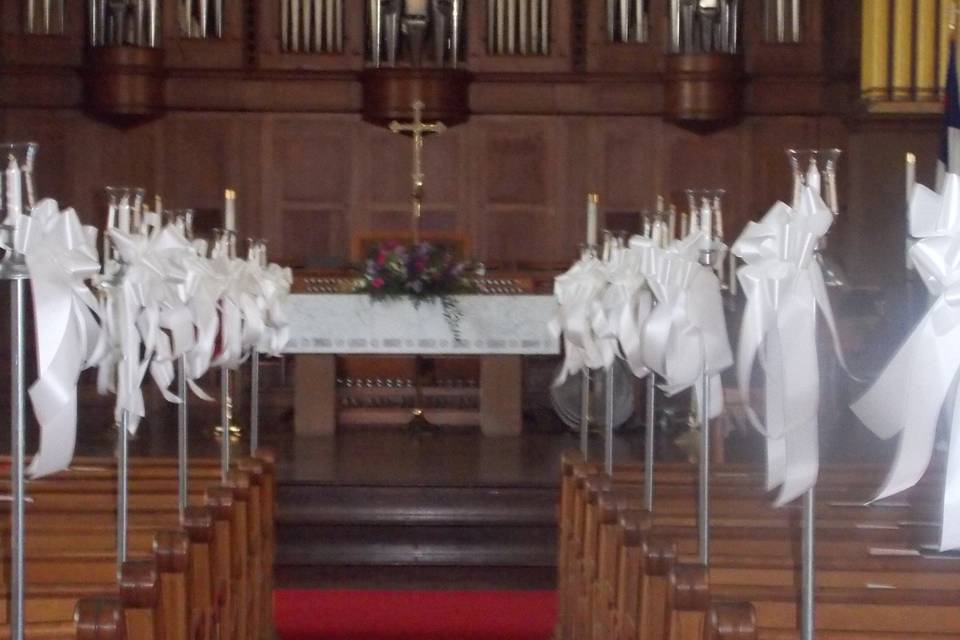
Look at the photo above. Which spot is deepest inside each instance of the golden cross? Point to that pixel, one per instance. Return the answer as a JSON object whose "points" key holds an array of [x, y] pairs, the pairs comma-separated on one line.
{"points": [[417, 128]]}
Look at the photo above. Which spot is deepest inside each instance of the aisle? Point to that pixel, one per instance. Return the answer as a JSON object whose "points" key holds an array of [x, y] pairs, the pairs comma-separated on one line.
{"points": [[414, 615]]}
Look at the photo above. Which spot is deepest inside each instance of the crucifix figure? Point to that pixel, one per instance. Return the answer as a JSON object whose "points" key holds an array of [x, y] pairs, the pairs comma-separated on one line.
{"points": [[417, 129]]}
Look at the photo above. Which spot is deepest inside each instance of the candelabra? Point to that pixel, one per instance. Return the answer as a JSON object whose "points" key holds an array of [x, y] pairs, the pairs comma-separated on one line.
{"points": [[13, 268]]}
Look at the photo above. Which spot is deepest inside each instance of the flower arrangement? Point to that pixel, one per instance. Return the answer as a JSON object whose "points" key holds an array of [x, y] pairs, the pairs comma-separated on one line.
{"points": [[422, 272]]}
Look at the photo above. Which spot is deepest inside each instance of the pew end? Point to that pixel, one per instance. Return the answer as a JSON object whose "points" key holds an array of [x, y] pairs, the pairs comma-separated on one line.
{"points": [[100, 618]]}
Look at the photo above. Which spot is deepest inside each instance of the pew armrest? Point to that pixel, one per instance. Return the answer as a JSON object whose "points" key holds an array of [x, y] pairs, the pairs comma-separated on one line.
{"points": [[730, 621]]}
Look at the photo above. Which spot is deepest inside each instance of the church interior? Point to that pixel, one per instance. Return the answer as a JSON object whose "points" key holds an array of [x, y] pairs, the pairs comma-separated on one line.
{"points": [[479, 319]]}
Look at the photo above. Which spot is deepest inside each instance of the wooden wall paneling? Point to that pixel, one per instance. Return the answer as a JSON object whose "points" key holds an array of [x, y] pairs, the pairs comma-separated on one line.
{"points": [[386, 179], [269, 54], [20, 48], [582, 160], [873, 248], [228, 52], [628, 165], [522, 175], [558, 60], [314, 160], [202, 156]]}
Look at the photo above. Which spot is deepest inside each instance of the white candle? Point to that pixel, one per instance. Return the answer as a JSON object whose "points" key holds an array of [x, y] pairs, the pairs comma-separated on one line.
{"points": [[14, 193], [706, 219], [911, 175], [107, 258], [733, 273], [123, 214], [230, 210], [718, 224], [813, 177], [592, 201], [656, 233], [684, 225], [911, 183], [672, 224]]}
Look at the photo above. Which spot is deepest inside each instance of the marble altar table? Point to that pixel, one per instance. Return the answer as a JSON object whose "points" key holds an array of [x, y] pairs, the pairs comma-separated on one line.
{"points": [[500, 329]]}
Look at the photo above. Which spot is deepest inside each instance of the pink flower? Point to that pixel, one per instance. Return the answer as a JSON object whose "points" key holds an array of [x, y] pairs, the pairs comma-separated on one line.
{"points": [[382, 258], [377, 283]]}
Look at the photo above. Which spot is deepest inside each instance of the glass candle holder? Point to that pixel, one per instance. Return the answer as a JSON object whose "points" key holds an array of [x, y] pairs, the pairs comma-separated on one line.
{"points": [[182, 219], [19, 198]]}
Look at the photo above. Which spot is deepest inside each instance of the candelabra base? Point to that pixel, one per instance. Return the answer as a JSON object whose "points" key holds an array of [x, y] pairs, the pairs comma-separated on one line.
{"points": [[419, 425], [689, 443], [235, 432]]}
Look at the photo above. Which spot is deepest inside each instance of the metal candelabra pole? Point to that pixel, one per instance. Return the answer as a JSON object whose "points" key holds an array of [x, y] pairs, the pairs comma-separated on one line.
{"points": [[703, 520], [182, 451], [123, 469], [585, 413], [14, 270], [651, 433], [703, 494], [808, 594], [254, 401], [226, 418], [608, 419]]}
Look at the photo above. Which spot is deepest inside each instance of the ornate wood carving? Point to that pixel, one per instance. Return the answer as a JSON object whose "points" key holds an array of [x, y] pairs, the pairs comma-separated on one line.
{"points": [[703, 90], [389, 93], [125, 83]]}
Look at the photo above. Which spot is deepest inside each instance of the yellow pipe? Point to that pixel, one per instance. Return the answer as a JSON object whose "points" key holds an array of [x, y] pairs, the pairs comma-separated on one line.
{"points": [[875, 52], [947, 20], [925, 61], [902, 49]]}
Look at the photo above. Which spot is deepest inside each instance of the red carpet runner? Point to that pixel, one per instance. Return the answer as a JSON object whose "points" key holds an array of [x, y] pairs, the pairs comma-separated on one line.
{"points": [[415, 615]]}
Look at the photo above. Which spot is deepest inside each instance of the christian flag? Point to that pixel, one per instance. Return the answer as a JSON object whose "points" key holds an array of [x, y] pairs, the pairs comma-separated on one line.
{"points": [[950, 134]]}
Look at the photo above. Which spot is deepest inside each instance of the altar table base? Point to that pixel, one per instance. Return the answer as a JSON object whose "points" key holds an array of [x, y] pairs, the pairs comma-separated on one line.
{"points": [[497, 329], [501, 397]]}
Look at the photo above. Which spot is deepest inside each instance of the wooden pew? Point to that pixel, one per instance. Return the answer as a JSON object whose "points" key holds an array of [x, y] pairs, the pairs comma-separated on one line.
{"points": [[179, 569], [657, 556]]}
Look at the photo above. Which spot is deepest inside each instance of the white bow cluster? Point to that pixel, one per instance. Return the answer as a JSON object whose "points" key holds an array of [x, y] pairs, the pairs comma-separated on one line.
{"points": [[908, 396], [685, 334], [580, 317], [784, 287], [606, 308], [169, 300], [251, 305], [61, 256]]}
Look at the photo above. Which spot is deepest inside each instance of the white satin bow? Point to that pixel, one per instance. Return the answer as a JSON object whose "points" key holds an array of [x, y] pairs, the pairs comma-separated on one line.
{"points": [[908, 396], [627, 303], [685, 334], [61, 256], [131, 322], [275, 282], [784, 287], [580, 318]]}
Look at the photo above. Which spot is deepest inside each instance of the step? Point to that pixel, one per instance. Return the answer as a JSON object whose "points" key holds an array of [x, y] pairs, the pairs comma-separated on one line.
{"points": [[519, 546], [305, 503]]}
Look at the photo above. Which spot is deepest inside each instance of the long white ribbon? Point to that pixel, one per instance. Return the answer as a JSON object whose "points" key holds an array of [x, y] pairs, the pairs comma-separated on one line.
{"points": [[909, 394], [685, 334], [627, 303], [61, 256], [784, 287]]}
